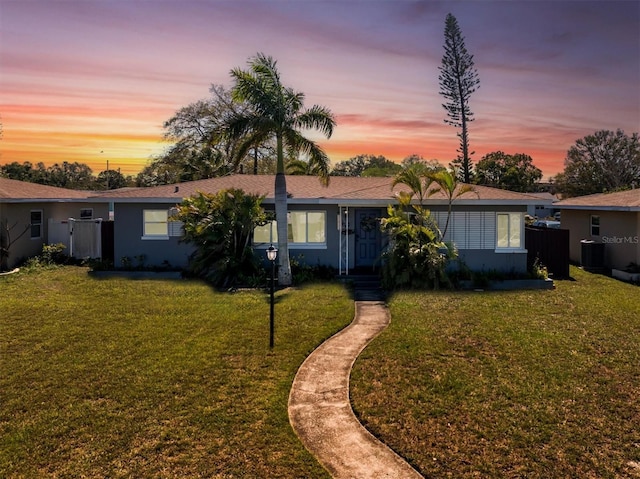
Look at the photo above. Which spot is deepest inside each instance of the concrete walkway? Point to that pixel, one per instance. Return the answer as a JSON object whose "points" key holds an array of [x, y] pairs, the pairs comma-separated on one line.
{"points": [[320, 411]]}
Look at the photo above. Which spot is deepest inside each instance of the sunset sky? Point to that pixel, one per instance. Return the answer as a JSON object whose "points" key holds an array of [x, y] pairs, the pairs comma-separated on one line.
{"points": [[93, 80]]}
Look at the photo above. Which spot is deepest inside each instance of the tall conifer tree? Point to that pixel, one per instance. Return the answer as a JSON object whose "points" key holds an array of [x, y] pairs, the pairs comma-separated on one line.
{"points": [[458, 80]]}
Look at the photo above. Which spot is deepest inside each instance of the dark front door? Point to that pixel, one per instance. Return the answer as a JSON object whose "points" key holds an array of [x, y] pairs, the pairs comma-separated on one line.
{"points": [[367, 241]]}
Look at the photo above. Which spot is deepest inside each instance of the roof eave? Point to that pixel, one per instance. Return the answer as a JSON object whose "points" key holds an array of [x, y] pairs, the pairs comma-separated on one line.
{"points": [[45, 200], [598, 208]]}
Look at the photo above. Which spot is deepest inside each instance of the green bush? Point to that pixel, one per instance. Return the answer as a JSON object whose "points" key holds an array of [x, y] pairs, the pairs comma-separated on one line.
{"points": [[221, 226], [52, 255], [415, 258]]}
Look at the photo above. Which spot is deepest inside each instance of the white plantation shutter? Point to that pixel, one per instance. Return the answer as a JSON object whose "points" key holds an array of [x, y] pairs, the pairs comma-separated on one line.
{"points": [[489, 231], [458, 227], [469, 229]]}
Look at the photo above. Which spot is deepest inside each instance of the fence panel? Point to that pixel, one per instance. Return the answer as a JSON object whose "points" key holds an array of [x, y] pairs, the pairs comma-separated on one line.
{"points": [[551, 247], [107, 241]]}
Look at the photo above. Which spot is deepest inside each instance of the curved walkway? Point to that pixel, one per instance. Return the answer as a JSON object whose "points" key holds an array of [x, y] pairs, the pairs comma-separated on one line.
{"points": [[320, 411]]}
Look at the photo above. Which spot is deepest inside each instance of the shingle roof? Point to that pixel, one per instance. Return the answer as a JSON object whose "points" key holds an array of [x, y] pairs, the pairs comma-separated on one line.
{"points": [[340, 188], [620, 201], [21, 190]]}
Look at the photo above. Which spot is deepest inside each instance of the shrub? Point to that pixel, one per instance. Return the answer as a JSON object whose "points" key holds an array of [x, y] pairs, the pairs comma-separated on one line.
{"points": [[415, 258], [52, 255], [220, 226]]}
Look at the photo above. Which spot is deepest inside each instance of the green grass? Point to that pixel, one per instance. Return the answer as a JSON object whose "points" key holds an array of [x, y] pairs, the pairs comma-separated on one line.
{"points": [[535, 384], [153, 378], [158, 378]]}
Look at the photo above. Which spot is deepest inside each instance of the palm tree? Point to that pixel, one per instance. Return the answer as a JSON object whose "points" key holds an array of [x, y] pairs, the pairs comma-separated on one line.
{"points": [[425, 182], [417, 178], [278, 113], [447, 182]]}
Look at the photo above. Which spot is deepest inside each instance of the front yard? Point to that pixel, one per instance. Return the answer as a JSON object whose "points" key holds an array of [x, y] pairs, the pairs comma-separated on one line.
{"points": [[161, 378], [509, 384], [153, 378]]}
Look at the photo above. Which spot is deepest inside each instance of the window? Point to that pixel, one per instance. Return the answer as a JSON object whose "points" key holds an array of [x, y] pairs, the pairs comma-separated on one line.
{"points": [[86, 213], [155, 224], [36, 224], [595, 225], [266, 233], [469, 229], [304, 227], [509, 231]]}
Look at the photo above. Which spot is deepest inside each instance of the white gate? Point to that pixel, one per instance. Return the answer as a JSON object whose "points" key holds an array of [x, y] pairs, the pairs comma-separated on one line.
{"points": [[82, 238]]}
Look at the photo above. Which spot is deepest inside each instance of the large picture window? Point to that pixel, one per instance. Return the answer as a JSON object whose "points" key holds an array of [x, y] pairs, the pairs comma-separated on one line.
{"points": [[303, 227], [509, 231]]}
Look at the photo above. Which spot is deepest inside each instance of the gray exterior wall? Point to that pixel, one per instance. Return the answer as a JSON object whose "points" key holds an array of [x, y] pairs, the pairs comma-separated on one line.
{"points": [[619, 230], [128, 242], [488, 260], [325, 255], [19, 214]]}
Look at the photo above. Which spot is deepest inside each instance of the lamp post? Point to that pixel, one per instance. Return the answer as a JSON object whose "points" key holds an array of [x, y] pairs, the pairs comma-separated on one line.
{"points": [[272, 254]]}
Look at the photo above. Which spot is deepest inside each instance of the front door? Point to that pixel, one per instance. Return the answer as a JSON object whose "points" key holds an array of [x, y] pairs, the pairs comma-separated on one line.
{"points": [[367, 240]]}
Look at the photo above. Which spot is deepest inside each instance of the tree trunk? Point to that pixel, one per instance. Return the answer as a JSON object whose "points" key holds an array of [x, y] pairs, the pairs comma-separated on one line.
{"points": [[255, 160], [284, 265]]}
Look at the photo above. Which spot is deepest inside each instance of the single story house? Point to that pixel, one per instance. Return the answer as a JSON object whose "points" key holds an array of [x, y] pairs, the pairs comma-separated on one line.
{"points": [[334, 225], [544, 208], [608, 219], [28, 212]]}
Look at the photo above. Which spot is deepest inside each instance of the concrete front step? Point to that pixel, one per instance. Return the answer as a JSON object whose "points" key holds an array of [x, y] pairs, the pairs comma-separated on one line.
{"points": [[366, 287]]}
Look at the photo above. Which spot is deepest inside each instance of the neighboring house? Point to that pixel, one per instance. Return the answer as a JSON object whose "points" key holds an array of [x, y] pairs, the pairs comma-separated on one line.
{"points": [[610, 219], [544, 207], [27, 211], [335, 225]]}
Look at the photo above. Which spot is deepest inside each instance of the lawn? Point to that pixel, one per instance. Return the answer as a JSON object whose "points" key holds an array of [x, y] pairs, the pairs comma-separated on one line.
{"points": [[153, 378], [535, 384], [159, 378]]}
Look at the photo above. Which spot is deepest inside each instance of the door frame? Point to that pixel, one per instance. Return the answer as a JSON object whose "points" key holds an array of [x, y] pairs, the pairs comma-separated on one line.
{"points": [[377, 212]]}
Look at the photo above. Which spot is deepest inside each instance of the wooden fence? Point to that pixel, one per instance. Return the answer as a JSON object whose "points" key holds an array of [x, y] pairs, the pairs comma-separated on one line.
{"points": [[551, 247]]}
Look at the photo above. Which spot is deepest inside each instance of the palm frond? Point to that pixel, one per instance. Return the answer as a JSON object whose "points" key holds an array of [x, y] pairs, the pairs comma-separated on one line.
{"points": [[317, 118]]}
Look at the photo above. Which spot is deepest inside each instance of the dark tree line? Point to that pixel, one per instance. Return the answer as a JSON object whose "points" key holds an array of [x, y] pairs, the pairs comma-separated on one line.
{"points": [[75, 176]]}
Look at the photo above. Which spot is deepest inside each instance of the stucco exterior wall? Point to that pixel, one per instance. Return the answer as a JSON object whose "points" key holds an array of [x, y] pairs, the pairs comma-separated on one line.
{"points": [[327, 254], [489, 260], [63, 211], [18, 217], [128, 241], [619, 231]]}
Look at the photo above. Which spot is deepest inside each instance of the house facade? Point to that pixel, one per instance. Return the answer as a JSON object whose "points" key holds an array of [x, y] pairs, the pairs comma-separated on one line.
{"points": [[544, 208], [335, 225], [608, 219], [27, 211]]}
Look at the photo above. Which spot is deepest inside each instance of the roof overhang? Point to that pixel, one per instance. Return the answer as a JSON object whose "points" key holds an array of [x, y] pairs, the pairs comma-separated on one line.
{"points": [[598, 208], [48, 200], [382, 202]]}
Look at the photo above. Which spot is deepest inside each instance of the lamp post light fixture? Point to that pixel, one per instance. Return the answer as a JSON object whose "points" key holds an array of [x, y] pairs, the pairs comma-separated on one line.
{"points": [[272, 254]]}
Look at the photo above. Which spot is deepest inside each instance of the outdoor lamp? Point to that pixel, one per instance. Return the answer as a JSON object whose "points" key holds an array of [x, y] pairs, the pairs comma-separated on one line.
{"points": [[272, 254]]}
